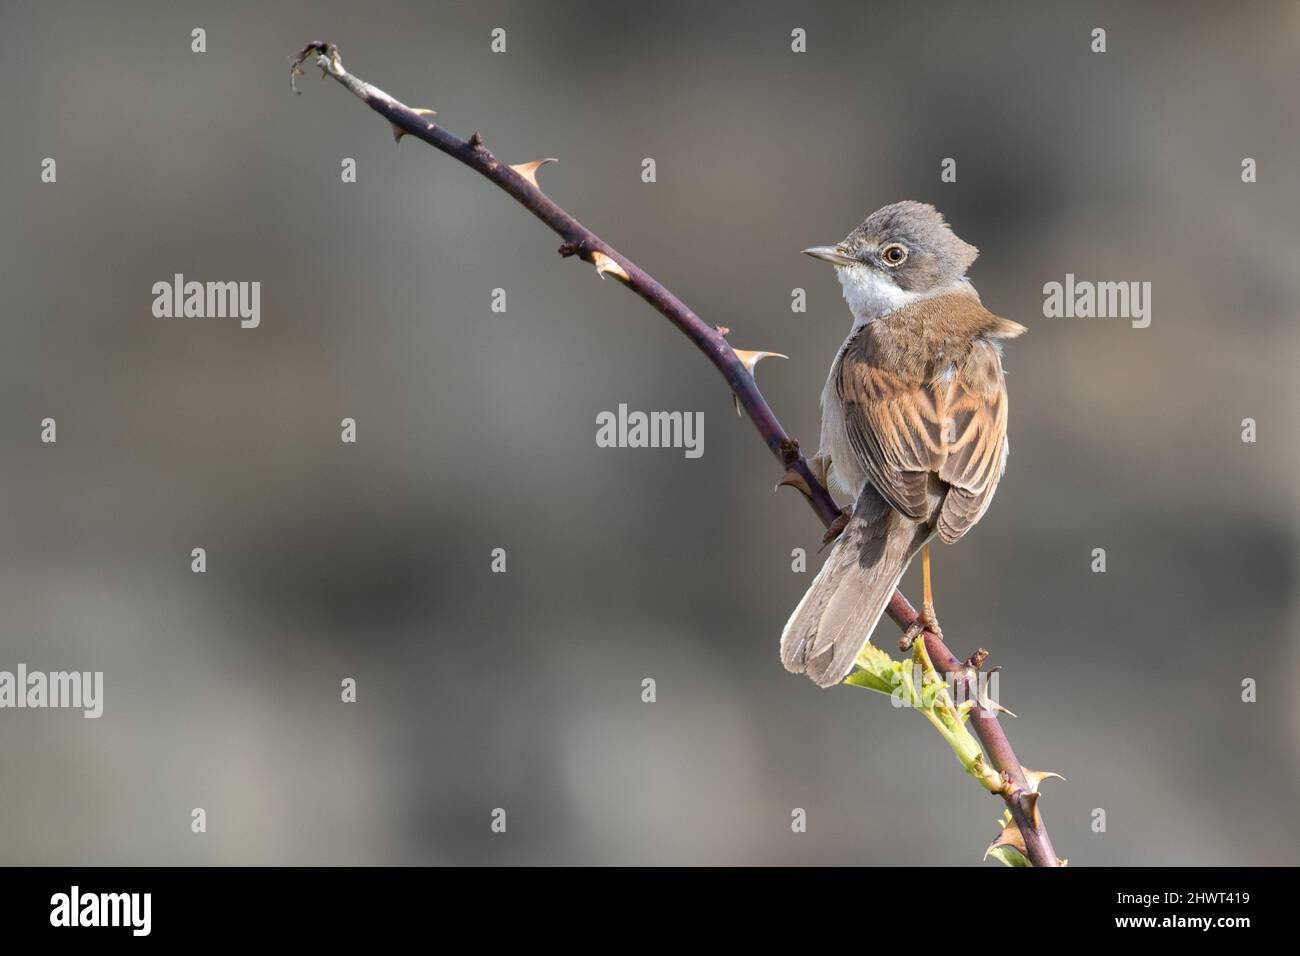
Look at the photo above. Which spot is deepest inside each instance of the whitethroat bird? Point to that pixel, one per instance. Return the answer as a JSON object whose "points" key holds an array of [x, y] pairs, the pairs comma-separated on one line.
{"points": [[914, 426]]}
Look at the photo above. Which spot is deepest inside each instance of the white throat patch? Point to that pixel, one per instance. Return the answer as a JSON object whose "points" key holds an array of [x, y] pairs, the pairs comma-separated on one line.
{"points": [[871, 294]]}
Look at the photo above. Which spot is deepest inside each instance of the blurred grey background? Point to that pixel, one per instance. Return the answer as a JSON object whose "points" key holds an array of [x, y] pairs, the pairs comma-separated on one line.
{"points": [[477, 430]]}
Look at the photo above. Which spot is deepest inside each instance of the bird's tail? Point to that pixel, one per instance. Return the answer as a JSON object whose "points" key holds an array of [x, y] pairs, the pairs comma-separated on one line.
{"points": [[832, 623]]}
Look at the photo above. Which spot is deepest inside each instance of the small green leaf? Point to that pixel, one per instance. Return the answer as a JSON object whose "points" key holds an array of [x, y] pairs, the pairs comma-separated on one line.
{"points": [[1008, 856], [871, 681], [876, 671]]}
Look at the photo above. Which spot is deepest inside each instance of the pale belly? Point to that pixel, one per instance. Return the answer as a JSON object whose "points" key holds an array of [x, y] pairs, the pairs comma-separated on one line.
{"points": [[846, 475]]}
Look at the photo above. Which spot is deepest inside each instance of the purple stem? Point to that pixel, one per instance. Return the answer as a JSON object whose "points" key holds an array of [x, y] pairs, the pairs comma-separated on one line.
{"points": [[582, 242]]}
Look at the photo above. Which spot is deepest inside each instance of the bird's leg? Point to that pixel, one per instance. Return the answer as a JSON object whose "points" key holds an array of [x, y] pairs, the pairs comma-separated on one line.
{"points": [[821, 468], [927, 604], [925, 621]]}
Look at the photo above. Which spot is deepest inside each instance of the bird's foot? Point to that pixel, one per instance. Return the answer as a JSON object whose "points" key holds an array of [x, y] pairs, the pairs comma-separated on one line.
{"points": [[836, 528], [925, 621]]}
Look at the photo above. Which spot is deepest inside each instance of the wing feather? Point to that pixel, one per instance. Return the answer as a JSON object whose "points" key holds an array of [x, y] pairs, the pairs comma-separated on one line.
{"points": [[907, 424]]}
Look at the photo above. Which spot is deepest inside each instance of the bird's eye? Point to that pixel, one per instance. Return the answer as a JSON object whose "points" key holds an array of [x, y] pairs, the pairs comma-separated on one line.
{"points": [[894, 254]]}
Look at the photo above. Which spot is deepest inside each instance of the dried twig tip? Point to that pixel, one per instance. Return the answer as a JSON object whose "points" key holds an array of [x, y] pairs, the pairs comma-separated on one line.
{"points": [[529, 170], [327, 58]]}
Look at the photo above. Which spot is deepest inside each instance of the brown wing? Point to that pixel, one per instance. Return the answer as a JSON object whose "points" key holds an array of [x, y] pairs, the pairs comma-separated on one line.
{"points": [[893, 429], [904, 427], [977, 454]]}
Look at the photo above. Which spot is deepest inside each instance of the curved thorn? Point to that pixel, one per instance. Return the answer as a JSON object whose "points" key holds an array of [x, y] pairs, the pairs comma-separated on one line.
{"points": [[1029, 803], [1010, 836], [796, 481], [398, 132], [604, 263], [529, 170], [751, 359], [1035, 777]]}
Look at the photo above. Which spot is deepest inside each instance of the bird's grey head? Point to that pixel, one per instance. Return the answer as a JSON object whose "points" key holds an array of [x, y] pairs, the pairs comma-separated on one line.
{"points": [[902, 252]]}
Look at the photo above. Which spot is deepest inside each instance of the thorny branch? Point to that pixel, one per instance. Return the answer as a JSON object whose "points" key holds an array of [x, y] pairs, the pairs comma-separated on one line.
{"points": [[1026, 832]]}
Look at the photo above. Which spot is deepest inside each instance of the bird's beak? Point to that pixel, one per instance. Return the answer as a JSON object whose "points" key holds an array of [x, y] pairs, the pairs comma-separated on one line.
{"points": [[830, 254]]}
